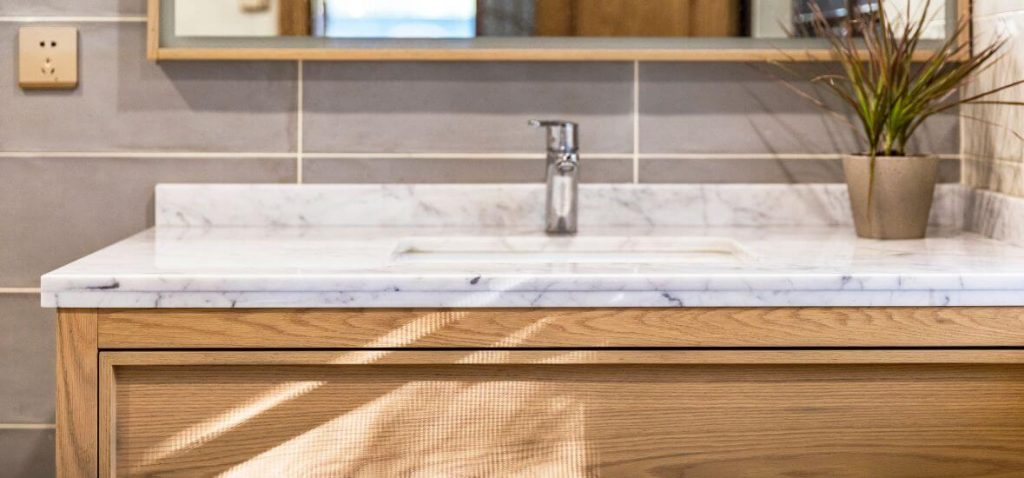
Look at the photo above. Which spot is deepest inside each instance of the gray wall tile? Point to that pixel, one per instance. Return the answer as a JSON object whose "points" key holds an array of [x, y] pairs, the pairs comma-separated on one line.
{"points": [[127, 103], [742, 108], [27, 358], [56, 210], [376, 170], [73, 7], [27, 454], [463, 107], [655, 170], [62, 209], [950, 171]]}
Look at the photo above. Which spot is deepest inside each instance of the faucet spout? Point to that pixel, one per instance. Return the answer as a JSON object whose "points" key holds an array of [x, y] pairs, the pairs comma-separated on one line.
{"points": [[562, 196], [567, 163], [562, 176]]}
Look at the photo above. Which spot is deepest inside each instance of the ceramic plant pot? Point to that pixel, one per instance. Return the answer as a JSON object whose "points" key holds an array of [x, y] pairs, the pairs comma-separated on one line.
{"points": [[896, 203]]}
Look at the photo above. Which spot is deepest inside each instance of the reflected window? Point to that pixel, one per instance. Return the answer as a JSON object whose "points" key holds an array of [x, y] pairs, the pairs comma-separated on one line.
{"points": [[466, 19], [400, 18]]}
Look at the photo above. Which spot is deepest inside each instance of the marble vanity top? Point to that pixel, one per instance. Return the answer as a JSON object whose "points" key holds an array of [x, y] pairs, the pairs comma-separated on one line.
{"points": [[297, 246]]}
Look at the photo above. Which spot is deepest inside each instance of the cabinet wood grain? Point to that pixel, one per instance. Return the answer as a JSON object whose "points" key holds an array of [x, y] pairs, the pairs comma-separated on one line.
{"points": [[846, 392], [77, 354], [569, 328], [574, 413]]}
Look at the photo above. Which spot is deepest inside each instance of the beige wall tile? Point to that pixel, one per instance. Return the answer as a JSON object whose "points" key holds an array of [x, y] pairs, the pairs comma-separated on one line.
{"points": [[985, 8], [993, 135], [996, 175]]}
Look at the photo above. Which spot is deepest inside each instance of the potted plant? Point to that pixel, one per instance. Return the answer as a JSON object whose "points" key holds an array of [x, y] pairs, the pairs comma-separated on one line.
{"points": [[892, 91]]}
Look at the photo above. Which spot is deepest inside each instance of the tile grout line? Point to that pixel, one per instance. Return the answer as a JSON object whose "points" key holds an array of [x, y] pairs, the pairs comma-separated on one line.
{"points": [[962, 133], [636, 122], [300, 113], [28, 426], [484, 156], [139, 154], [20, 290], [977, 158], [764, 156]]}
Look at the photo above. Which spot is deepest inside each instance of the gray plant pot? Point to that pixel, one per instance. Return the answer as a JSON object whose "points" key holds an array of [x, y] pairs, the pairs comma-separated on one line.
{"points": [[898, 203]]}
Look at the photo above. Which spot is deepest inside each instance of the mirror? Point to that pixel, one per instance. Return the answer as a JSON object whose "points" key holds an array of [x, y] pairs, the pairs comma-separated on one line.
{"points": [[626, 28]]}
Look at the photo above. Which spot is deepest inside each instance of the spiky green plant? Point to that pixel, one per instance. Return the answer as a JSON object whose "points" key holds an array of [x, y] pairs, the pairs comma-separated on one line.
{"points": [[884, 82]]}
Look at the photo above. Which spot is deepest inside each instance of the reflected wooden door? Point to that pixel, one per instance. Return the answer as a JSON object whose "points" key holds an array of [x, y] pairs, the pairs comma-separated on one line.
{"points": [[294, 18], [631, 18]]}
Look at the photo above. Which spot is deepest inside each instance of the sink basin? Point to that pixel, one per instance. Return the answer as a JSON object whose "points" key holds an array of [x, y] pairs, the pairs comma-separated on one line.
{"points": [[570, 250]]}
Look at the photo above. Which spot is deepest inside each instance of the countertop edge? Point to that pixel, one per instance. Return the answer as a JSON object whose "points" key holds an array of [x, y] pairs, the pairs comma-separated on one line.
{"points": [[481, 299]]}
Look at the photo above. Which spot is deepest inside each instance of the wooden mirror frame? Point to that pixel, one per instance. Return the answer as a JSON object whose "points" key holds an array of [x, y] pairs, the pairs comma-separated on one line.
{"points": [[466, 51]]}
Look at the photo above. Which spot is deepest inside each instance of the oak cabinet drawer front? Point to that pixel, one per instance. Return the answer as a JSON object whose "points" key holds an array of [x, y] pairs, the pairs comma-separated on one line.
{"points": [[572, 413], [561, 328]]}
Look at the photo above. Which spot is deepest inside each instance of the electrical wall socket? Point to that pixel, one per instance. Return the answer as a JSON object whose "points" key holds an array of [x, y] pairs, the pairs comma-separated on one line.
{"points": [[48, 57]]}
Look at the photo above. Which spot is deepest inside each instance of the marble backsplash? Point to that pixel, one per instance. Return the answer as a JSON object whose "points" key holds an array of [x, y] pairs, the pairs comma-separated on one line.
{"points": [[503, 205], [995, 215]]}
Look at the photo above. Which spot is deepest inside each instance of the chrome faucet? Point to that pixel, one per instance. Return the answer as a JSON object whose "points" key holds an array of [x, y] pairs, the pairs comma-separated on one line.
{"points": [[563, 163]]}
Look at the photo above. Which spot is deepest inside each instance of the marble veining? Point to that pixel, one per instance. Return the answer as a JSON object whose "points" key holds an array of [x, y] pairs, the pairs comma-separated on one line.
{"points": [[519, 205], [340, 246], [356, 267], [996, 215]]}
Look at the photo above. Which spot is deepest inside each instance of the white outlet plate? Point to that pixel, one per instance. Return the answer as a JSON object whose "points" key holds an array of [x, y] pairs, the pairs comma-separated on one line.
{"points": [[48, 57]]}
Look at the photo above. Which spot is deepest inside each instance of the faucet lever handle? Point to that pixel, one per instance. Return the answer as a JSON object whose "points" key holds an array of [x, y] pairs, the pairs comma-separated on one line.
{"points": [[563, 136]]}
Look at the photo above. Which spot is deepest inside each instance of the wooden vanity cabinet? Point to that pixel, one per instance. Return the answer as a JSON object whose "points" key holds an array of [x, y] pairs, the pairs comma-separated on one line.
{"points": [[847, 392]]}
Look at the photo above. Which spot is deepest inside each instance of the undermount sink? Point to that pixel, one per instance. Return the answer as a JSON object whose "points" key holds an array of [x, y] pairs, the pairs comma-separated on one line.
{"points": [[570, 250]]}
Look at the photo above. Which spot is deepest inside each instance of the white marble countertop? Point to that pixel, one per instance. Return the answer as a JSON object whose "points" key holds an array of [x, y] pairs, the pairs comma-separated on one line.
{"points": [[339, 246], [179, 267]]}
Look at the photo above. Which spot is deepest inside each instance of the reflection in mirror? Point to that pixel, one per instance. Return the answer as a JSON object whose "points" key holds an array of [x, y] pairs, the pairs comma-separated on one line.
{"points": [[461, 19]]}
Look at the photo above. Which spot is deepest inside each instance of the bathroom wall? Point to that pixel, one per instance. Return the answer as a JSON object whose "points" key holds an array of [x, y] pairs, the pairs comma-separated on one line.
{"points": [[993, 135], [77, 168]]}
